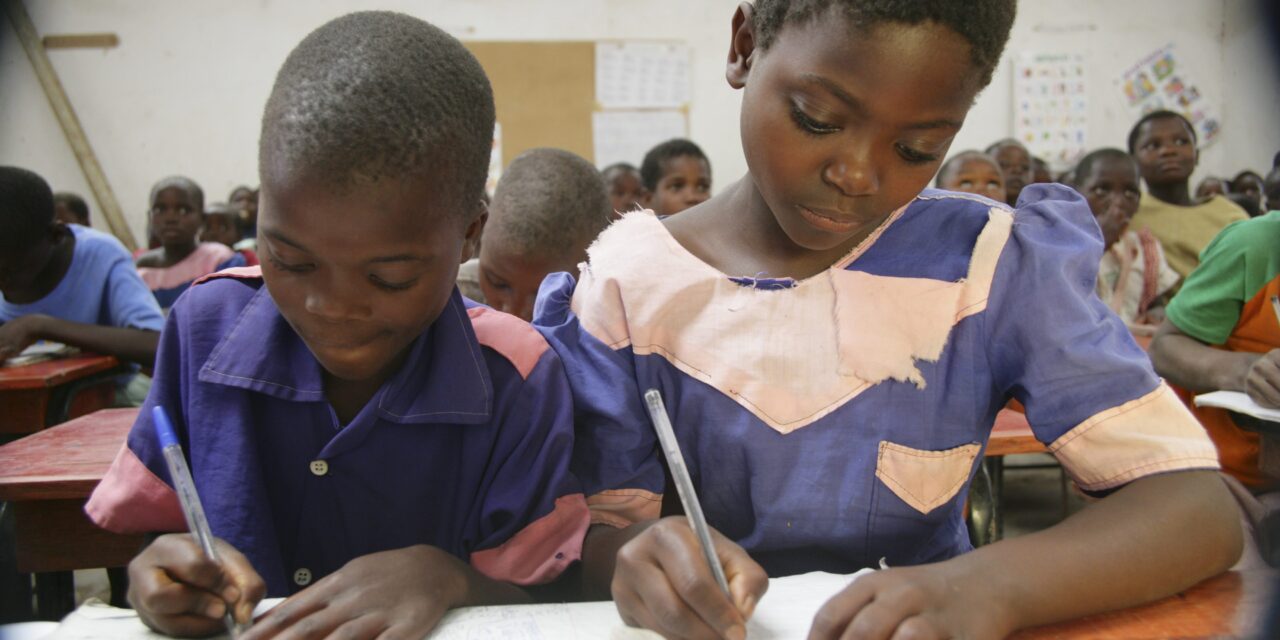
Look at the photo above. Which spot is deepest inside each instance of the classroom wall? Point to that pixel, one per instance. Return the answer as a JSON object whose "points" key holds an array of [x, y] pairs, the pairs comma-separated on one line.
{"points": [[184, 91]]}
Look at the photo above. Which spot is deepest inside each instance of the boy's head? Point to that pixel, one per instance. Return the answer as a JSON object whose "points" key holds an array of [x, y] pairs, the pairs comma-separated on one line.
{"points": [[1250, 205], [177, 211], [373, 157], [69, 208], [626, 188], [849, 107], [1211, 186], [1271, 189], [548, 208], [1249, 184], [1108, 179], [677, 175], [1015, 163], [1164, 144], [27, 229], [221, 224], [972, 172], [245, 202]]}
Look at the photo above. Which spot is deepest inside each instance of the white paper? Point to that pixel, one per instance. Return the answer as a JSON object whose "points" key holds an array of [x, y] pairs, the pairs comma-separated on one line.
{"points": [[1239, 402], [625, 136], [642, 74], [1051, 106], [39, 352]]}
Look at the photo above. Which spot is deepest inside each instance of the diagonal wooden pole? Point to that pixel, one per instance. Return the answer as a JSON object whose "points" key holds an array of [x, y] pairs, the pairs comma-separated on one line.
{"points": [[70, 123]]}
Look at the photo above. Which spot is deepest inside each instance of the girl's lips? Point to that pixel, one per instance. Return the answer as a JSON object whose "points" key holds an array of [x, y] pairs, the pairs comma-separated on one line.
{"points": [[827, 221]]}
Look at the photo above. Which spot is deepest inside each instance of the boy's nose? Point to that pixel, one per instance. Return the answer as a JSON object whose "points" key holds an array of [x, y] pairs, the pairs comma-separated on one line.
{"points": [[333, 302]]}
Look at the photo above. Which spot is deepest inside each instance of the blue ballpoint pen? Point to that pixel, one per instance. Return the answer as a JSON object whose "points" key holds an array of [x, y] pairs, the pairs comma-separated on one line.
{"points": [[185, 487]]}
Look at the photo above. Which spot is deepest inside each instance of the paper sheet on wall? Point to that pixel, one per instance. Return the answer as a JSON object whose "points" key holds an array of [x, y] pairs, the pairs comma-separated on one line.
{"points": [[1161, 80], [495, 161], [1051, 106], [625, 136], [633, 75]]}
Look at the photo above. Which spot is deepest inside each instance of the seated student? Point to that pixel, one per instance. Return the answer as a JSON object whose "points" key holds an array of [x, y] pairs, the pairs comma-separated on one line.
{"points": [[676, 175], [626, 188], [1015, 164], [222, 225], [548, 207], [1211, 186], [69, 283], [1250, 205], [1271, 189], [177, 214], [69, 208], [245, 200], [1134, 276], [972, 172], [1164, 144], [1248, 184], [833, 346], [1221, 332], [364, 440]]}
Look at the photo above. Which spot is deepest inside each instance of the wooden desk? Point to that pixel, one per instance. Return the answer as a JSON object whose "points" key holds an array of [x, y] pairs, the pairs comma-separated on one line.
{"points": [[47, 477], [43, 394], [1012, 434]]}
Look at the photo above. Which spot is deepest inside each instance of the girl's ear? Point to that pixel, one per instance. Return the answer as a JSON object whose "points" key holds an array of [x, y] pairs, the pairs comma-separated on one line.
{"points": [[742, 46]]}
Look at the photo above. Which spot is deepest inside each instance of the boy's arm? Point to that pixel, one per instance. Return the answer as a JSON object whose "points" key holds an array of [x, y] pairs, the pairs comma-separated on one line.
{"points": [[134, 345], [1199, 368]]}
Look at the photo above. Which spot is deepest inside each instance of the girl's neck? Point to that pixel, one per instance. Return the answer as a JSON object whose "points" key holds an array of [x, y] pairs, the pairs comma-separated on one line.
{"points": [[175, 253], [1174, 193]]}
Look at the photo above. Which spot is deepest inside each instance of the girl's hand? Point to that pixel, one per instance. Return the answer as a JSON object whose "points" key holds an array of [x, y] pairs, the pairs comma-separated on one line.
{"points": [[912, 602], [662, 582], [400, 593], [178, 591]]}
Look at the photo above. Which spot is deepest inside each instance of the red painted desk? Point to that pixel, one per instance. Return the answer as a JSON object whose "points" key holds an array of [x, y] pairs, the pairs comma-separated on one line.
{"points": [[42, 394], [46, 477]]}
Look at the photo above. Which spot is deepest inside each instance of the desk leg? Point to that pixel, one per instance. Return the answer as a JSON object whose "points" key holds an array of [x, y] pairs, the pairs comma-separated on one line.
{"points": [[15, 587], [55, 595], [995, 469], [119, 579]]}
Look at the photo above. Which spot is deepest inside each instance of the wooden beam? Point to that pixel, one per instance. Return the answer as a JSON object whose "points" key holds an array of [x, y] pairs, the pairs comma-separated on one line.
{"points": [[82, 41], [70, 123]]}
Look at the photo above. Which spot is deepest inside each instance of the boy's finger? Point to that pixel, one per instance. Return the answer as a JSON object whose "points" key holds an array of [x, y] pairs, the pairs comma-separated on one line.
{"points": [[879, 619], [666, 611], [834, 616], [243, 587], [175, 599], [685, 567], [748, 581], [288, 613], [184, 561]]}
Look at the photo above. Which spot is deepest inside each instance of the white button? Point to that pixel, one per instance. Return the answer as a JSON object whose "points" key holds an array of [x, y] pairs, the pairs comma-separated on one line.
{"points": [[319, 467], [302, 577]]}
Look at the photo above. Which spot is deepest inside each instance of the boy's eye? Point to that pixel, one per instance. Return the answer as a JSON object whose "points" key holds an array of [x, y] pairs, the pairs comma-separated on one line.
{"points": [[290, 268], [913, 156], [966, 183], [809, 124], [392, 286]]}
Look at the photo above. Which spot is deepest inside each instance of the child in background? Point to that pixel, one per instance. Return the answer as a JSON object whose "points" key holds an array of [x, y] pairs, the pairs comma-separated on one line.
{"points": [[1040, 171], [1250, 205], [69, 283], [1164, 144], [548, 207], [677, 175], [833, 346], [1248, 184], [1015, 164], [245, 200], [1271, 189], [626, 188], [222, 225], [1133, 276], [1211, 186], [364, 440], [69, 208], [972, 172], [177, 214]]}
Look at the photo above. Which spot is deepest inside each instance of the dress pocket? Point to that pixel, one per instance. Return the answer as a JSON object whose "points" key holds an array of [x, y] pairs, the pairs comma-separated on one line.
{"points": [[924, 479]]}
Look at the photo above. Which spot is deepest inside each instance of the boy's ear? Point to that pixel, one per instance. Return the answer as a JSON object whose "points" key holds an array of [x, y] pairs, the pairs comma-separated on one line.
{"points": [[471, 241], [742, 46]]}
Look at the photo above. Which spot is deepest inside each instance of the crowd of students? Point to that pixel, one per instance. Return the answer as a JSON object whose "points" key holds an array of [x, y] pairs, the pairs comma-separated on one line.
{"points": [[425, 398]]}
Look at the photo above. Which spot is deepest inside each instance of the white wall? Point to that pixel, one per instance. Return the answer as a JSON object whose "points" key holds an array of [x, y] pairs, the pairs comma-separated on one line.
{"points": [[184, 91]]}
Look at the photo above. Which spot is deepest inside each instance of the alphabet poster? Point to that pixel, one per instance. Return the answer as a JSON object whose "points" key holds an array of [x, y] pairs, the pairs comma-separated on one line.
{"points": [[1051, 106]]}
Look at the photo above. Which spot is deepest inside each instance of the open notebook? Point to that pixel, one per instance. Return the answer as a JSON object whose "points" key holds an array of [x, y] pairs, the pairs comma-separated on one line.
{"points": [[785, 612]]}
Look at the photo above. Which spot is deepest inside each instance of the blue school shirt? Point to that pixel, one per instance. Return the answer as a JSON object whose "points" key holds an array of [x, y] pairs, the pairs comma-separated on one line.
{"points": [[465, 448], [101, 287], [831, 422]]}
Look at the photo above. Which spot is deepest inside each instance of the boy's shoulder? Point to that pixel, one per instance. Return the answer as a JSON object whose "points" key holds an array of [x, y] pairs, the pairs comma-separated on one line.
{"points": [[1255, 236], [220, 294], [513, 339], [98, 245]]}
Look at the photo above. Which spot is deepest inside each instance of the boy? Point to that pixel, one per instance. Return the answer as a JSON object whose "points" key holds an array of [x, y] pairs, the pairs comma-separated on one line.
{"points": [[1164, 144], [626, 188], [69, 208], [245, 200], [677, 175], [67, 283], [1015, 164], [972, 172], [177, 215], [1271, 189], [222, 225], [364, 440], [549, 206]]}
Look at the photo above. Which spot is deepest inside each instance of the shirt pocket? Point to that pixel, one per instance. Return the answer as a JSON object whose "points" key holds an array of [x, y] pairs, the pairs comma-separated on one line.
{"points": [[924, 479]]}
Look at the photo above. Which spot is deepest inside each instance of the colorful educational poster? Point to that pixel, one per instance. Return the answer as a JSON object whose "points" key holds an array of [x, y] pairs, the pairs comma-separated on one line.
{"points": [[1161, 81], [1051, 106]]}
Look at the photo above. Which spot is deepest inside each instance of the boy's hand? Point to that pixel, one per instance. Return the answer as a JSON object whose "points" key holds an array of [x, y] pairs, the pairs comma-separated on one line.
{"points": [[178, 591], [18, 334], [1262, 383], [912, 602], [401, 593], [662, 582]]}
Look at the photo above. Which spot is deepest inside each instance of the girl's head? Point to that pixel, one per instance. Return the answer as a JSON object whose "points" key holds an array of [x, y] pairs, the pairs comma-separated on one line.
{"points": [[849, 107], [1249, 184], [1108, 179], [1164, 144], [177, 212]]}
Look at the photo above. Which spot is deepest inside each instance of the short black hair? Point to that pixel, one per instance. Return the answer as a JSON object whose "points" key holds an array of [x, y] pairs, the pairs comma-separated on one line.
{"points": [[1250, 205], [549, 203], [651, 168], [179, 182], [26, 208], [613, 170], [1005, 142], [985, 24], [74, 203], [232, 196], [380, 95], [1235, 182], [1159, 114], [954, 162], [1084, 168]]}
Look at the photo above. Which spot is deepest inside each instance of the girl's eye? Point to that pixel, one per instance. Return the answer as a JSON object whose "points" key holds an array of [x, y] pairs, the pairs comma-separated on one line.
{"points": [[809, 124], [913, 156]]}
